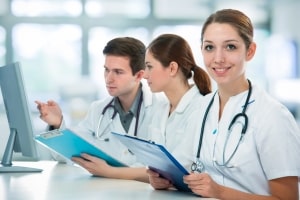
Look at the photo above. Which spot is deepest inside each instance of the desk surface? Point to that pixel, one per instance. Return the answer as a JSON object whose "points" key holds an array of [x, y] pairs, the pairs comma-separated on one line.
{"points": [[64, 181]]}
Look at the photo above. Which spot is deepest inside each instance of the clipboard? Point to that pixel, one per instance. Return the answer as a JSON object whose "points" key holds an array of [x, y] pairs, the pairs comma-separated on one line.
{"points": [[68, 144], [157, 158]]}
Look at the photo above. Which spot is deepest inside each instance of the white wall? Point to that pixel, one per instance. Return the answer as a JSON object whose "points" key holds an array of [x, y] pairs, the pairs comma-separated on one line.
{"points": [[285, 21]]}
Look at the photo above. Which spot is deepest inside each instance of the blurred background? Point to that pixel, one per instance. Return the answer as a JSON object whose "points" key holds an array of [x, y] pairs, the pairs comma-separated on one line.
{"points": [[59, 44]]}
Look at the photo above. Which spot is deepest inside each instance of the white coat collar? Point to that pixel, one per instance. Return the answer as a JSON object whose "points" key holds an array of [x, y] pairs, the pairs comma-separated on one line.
{"points": [[191, 95]]}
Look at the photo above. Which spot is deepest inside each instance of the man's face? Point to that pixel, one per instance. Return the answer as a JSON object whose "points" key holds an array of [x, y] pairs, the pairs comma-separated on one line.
{"points": [[118, 76]]}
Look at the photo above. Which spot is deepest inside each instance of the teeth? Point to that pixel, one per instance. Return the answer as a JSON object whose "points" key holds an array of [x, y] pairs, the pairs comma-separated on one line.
{"points": [[220, 69]]}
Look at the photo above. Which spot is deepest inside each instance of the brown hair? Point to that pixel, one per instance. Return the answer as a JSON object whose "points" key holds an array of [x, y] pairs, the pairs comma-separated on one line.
{"points": [[170, 47], [129, 47], [236, 19]]}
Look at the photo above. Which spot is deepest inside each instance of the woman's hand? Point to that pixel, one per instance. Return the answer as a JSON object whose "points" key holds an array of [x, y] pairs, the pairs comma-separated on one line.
{"points": [[158, 182], [202, 184]]}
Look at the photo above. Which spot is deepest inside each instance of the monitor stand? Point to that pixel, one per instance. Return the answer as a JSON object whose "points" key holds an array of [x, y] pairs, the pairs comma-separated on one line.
{"points": [[6, 165], [18, 169]]}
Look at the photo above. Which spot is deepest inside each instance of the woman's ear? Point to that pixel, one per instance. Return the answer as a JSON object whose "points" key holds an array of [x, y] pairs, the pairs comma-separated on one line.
{"points": [[173, 68], [251, 51]]}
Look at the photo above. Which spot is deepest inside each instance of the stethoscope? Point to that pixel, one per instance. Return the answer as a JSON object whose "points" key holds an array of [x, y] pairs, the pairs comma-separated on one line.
{"points": [[198, 165], [111, 105]]}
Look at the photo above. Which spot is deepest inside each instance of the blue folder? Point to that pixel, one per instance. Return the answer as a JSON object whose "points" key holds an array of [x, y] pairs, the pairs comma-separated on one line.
{"points": [[157, 158], [68, 144]]}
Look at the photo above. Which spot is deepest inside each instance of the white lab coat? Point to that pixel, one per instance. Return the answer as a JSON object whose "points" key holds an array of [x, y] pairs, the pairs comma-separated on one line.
{"points": [[174, 131], [88, 126], [269, 150]]}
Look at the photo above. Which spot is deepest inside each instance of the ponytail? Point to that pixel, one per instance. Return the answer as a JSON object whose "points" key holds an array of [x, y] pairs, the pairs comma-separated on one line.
{"points": [[202, 80]]}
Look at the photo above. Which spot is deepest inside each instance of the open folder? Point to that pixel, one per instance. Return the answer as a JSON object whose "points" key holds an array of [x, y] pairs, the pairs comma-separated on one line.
{"points": [[157, 158], [68, 144]]}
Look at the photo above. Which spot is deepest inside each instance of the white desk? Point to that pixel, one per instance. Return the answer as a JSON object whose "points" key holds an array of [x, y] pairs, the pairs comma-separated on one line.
{"points": [[63, 182]]}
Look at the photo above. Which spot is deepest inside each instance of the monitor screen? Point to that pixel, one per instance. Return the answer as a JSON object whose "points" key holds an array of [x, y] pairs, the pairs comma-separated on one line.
{"points": [[18, 116]]}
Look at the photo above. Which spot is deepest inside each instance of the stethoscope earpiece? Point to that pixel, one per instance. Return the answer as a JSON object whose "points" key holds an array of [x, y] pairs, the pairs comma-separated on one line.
{"points": [[104, 139]]}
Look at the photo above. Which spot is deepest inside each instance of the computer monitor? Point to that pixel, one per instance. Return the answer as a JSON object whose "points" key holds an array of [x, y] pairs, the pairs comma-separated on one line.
{"points": [[19, 119]]}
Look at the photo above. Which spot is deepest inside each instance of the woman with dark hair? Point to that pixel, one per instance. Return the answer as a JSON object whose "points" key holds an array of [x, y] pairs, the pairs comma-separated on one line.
{"points": [[171, 69]]}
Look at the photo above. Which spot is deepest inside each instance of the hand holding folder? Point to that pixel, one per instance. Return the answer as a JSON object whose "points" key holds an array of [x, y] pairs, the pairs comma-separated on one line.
{"points": [[69, 144], [157, 158]]}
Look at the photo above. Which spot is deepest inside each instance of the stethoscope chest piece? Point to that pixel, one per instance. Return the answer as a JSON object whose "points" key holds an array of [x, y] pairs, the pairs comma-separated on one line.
{"points": [[197, 166]]}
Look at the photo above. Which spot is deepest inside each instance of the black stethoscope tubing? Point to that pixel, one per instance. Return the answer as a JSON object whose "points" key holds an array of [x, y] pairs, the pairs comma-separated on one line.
{"points": [[242, 114], [110, 105]]}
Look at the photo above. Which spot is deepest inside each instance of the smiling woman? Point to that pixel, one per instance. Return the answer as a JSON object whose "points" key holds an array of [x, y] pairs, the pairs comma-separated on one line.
{"points": [[246, 122]]}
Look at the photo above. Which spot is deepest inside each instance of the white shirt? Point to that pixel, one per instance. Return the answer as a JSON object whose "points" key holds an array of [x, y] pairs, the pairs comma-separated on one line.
{"points": [[174, 131], [270, 148]]}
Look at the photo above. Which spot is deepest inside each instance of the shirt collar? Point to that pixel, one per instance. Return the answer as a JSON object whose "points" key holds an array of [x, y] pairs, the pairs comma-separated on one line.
{"points": [[134, 107]]}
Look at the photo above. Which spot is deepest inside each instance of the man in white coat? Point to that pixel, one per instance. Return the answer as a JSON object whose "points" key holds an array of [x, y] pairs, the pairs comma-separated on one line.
{"points": [[128, 110]]}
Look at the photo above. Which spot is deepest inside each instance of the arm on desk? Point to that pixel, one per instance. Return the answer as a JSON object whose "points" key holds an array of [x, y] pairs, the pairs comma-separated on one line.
{"points": [[99, 167], [281, 188]]}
